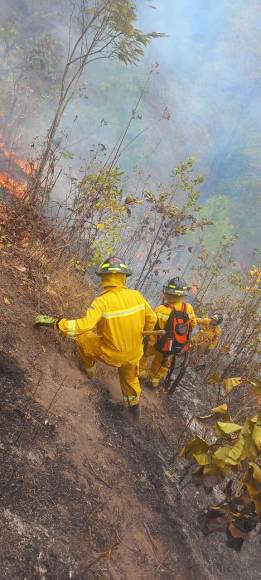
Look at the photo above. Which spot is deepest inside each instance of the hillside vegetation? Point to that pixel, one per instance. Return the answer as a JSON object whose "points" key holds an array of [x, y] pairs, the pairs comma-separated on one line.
{"points": [[86, 492]]}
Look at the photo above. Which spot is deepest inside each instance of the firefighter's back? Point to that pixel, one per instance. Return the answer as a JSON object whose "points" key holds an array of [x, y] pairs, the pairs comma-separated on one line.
{"points": [[122, 323]]}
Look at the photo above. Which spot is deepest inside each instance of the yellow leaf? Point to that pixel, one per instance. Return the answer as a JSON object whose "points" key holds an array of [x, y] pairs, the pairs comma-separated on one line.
{"points": [[231, 455], [221, 453], [246, 429], [205, 417], [220, 409], [202, 458], [7, 301], [235, 453], [231, 383], [100, 227], [254, 419], [256, 436], [228, 428], [250, 450], [215, 378], [256, 472], [196, 445]]}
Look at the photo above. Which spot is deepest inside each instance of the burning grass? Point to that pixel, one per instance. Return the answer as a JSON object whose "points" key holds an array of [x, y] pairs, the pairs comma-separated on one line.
{"points": [[8, 181], [12, 186]]}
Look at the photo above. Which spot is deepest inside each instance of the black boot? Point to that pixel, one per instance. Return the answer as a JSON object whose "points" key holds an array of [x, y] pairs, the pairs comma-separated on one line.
{"points": [[135, 411]]}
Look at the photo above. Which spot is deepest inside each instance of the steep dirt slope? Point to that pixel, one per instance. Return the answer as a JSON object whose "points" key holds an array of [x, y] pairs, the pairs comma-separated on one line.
{"points": [[85, 492]]}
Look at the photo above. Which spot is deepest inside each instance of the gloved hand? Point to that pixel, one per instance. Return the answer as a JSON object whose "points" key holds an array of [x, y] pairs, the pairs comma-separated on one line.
{"points": [[45, 320], [216, 319]]}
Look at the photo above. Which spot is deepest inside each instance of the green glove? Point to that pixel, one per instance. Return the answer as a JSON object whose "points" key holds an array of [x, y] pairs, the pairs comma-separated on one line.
{"points": [[44, 320]]}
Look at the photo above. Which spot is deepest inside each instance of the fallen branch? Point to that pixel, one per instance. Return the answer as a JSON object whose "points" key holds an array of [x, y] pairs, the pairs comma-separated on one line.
{"points": [[107, 553], [98, 476], [183, 433], [164, 436], [151, 541], [123, 544], [154, 548]]}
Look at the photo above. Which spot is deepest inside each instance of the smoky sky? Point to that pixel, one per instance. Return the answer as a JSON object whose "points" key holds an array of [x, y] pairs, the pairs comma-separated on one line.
{"points": [[211, 70], [209, 81]]}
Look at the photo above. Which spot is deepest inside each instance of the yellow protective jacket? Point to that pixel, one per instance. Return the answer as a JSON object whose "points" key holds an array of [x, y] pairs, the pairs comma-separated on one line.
{"points": [[120, 316]]}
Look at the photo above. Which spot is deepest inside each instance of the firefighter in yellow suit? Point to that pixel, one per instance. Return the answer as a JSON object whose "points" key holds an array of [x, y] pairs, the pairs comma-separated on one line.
{"points": [[174, 294], [121, 315]]}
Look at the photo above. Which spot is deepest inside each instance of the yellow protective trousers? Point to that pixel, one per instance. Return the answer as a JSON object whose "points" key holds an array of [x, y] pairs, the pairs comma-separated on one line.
{"points": [[89, 347], [158, 368]]}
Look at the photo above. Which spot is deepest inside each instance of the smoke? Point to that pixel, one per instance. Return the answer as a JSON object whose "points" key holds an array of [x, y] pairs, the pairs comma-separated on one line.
{"points": [[201, 100], [211, 68]]}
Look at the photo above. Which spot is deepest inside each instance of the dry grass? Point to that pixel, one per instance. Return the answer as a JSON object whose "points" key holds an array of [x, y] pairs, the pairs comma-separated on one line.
{"points": [[67, 289], [61, 289]]}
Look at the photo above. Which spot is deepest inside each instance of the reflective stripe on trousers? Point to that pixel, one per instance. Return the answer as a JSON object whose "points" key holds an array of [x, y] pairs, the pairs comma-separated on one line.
{"points": [[130, 386], [131, 400]]}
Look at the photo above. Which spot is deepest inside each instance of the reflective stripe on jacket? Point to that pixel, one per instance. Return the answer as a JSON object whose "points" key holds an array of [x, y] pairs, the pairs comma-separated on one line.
{"points": [[120, 315], [163, 311]]}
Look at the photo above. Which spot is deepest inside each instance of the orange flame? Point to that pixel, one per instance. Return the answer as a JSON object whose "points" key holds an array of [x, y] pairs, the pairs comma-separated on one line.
{"points": [[26, 166], [8, 154], [17, 188], [12, 186]]}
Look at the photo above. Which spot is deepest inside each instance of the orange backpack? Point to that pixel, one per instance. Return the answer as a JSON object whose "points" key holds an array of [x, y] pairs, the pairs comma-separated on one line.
{"points": [[178, 331]]}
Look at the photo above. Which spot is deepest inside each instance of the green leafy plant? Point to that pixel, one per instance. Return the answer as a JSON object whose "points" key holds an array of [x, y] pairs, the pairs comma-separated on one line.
{"points": [[168, 215], [232, 453]]}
